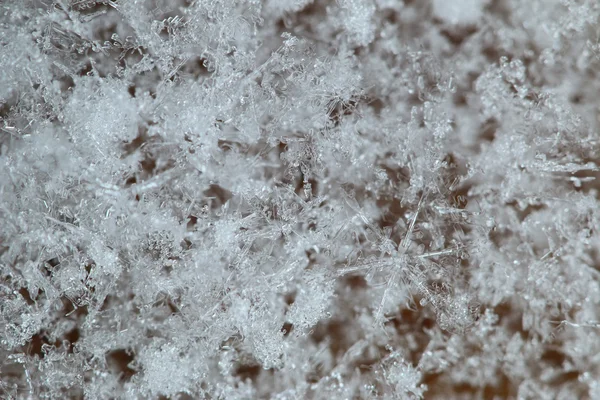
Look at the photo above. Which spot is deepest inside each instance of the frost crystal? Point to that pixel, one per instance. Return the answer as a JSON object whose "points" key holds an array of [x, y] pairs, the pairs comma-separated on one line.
{"points": [[299, 199]]}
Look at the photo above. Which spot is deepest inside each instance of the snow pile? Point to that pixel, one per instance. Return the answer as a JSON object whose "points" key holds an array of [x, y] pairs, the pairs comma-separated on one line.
{"points": [[242, 199]]}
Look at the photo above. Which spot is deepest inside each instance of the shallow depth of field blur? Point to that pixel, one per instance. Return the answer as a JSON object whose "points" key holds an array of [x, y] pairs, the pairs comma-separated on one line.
{"points": [[300, 199]]}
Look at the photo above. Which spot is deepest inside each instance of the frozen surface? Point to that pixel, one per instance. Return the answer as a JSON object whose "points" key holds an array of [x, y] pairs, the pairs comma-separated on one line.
{"points": [[352, 199]]}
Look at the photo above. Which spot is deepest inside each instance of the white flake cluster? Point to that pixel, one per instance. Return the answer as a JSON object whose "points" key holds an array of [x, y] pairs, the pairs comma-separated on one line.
{"points": [[299, 199]]}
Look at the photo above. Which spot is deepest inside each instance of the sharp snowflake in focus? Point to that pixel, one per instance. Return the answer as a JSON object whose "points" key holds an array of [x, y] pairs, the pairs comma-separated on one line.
{"points": [[299, 199]]}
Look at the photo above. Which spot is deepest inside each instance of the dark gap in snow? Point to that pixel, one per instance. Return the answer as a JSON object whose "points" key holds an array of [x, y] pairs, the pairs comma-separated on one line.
{"points": [[572, 378], [504, 389], [439, 384], [392, 211], [457, 35], [5, 109], [73, 308], [86, 70], [119, 362], [66, 83], [303, 185], [53, 262], [377, 104], [72, 337], [248, 372], [35, 344], [492, 54], [130, 181], [218, 195], [511, 318], [356, 282], [577, 98], [488, 130], [228, 145], [304, 19], [553, 357], [137, 142], [191, 222], [460, 98], [338, 109], [412, 322], [25, 294], [335, 332], [195, 68], [148, 165], [287, 329], [459, 197]]}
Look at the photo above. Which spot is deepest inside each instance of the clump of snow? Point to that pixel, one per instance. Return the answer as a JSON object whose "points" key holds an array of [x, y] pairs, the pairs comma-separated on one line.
{"points": [[299, 199]]}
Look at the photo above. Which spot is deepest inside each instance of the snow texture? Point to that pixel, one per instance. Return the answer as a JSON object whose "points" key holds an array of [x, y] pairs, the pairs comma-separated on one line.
{"points": [[299, 199]]}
